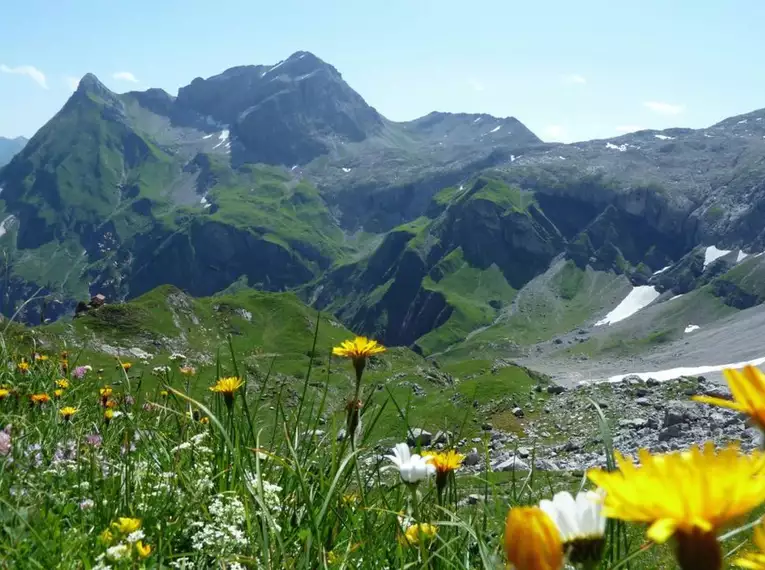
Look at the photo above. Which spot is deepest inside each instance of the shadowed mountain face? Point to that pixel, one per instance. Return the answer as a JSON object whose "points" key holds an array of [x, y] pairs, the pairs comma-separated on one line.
{"points": [[282, 176]]}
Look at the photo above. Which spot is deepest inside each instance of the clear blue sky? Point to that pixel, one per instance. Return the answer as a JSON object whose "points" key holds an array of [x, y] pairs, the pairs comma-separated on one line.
{"points": [[570, 70]]}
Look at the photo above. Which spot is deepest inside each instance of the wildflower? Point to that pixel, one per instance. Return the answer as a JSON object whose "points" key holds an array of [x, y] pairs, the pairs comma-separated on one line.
{"points": [[142, 549], [86, 504], [23, 366], [110, 404], [748, 390], [67, 412], [64, 365], [128, 400], [40, 398], [118, 552], [690, 495], [177, 356], [126, 525], [135, 536], [94, 440], [532, 542], [187, 370], [63, 383], [204, 420], [126, 366], [227, 387], [5, 443], [4, 393], [163, 393], [358, 350], [108, 415], [420, 532], [580, 522], [105, 394], [160, 370], [81, 371], [58, 393], [444, 463], [41, 357], [412, 468]]}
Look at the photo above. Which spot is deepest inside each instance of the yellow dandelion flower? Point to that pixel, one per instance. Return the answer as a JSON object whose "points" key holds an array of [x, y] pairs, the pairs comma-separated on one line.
{"points": [[58, 393], [67, 412], [142, 549], [23, 366], [227, 387], [41, 357], [754, 560], [111, 404], [445, 462], [126, 525], [40, 398], [690, 495], [108, 415], [4, 393], [359, 347], [532, 541], [748, 390], [358, 350], [204, 420], [105, 393], [420, 532], [63, 383], [126, 366]]}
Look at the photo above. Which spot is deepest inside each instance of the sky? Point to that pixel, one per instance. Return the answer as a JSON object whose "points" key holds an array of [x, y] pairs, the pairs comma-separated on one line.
{"points": [[569, 70]]}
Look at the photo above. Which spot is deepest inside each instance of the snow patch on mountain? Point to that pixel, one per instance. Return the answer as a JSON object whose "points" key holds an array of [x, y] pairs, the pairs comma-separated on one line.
{"points": [[672, 373], [637, 299], [712, 253]]}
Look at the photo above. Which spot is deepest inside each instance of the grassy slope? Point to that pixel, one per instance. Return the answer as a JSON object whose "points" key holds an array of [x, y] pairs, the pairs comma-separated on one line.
{"points": [[278, 336]]}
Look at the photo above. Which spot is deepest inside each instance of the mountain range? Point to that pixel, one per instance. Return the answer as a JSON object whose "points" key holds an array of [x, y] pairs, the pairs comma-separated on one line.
{"points": [[9, 147], [449, 229]]}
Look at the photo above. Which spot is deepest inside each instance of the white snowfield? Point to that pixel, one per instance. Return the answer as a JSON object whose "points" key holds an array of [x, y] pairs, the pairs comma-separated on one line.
{"points": [[672, 373], [638, 298], [712, 253]]}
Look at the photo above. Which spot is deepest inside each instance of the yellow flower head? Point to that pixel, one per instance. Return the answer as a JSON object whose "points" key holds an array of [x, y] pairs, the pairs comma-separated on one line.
{"points": [[126, 366], [63, 383], [40, 398], [142, 549], [4, 393], [41, 357], [204, 420], [126, 525], [532, 541], [694, 492], [108, 414], [57, 393], [754, 560], [67, 412], [446, 461], [748, 390], [111, 404], [359, 348], [421, 532], [227, 385], [163, 393], [187, 370], [23, 366]]}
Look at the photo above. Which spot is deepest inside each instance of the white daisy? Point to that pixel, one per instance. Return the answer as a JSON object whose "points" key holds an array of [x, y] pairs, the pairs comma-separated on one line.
{"points": [[412, 467], [576, 518]]}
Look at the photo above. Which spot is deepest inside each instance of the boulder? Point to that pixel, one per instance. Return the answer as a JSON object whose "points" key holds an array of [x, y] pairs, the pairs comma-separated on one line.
{"points": [[472, 458], [511, 464], [680, 411], [555, 389], [419, 437], [518, 412]]}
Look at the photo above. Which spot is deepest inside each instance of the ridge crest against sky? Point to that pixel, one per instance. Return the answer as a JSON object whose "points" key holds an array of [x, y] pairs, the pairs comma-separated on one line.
{"points": [[568, 71]]}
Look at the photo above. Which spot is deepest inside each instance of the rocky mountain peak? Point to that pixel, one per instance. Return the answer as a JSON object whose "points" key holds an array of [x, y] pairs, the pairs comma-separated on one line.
{"points": [[91, 84]]}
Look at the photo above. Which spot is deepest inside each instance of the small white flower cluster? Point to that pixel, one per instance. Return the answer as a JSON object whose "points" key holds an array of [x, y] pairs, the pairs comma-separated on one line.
{"points": [[270, 491], [222, 535], [177, 356], [160, 370], [195, 443]]}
